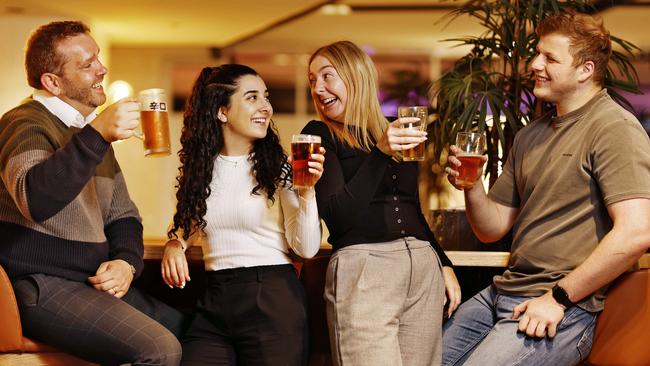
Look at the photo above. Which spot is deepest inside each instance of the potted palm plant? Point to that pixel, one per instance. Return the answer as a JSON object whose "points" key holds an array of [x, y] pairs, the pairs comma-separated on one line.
{"points": [[490, 89]]}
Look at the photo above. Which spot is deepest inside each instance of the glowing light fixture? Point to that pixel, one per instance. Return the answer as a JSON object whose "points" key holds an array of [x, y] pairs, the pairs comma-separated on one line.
{"points": [[117, 90], [336, 9]]}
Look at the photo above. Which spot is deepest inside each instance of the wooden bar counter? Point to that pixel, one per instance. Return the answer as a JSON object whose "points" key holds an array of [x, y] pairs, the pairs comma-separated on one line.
{"points": [[153, 249]]}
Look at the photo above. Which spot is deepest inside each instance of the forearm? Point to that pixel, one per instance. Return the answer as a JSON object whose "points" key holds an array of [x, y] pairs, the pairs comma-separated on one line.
{"points": [[43, 179], [489, 220], [125, 242], [53, 183], [302, 224], [617, 252], [619, 249]]}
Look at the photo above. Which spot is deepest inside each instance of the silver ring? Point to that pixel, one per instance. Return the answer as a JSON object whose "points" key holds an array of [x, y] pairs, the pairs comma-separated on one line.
{"points": [[115, 289]]}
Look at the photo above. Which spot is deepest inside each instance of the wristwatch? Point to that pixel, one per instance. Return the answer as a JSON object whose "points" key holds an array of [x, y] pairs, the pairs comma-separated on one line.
{"points": [[560, 295]]}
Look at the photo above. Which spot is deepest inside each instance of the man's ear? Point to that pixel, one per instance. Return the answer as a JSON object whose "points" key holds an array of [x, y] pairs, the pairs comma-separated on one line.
{"points": [[586, 71], [51, 83], [221, 114]]}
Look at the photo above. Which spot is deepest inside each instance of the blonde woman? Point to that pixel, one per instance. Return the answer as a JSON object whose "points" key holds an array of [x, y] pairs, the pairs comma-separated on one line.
{"points": [[386, 280]]}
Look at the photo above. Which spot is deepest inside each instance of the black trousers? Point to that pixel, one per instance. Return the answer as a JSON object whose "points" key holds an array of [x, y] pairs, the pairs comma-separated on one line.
{"points": [[97, 326], [249, 316]]}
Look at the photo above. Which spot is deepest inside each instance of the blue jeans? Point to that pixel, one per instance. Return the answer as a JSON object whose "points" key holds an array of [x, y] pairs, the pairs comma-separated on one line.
{"points": [[481, 332]]}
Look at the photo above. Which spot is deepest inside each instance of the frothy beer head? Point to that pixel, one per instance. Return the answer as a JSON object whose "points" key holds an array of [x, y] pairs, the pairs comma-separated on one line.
{"points": [[154, 122], [302, 146]]}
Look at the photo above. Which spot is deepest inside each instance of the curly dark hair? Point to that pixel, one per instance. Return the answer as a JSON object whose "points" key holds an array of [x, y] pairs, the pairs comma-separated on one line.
{"points": [[202, 139]]}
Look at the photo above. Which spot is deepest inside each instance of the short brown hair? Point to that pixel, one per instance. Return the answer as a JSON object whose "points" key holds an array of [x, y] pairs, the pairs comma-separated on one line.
{"points": [[589, 39], [41, 55]]}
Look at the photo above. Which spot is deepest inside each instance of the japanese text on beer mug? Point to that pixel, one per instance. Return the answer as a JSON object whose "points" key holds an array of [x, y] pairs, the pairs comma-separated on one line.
{"points": [[154, 122]]}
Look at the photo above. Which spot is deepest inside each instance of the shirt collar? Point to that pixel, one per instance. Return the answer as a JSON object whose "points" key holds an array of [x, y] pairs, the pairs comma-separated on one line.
{"points": [[579, 113], [66, 113]]}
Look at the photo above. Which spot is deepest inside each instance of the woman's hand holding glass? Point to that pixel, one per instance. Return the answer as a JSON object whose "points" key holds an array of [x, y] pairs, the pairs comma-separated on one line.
{"points": [[174, 267], [315, 167], [397, 139]]}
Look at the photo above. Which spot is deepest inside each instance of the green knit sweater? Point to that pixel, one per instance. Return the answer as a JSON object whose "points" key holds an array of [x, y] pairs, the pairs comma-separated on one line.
{"points": [[64, 206]]}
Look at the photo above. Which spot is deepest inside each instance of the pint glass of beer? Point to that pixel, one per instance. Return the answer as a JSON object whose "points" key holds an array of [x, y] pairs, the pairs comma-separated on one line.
{"points": [[154, 122], [302, 146], [472, 147], [421, 112]]}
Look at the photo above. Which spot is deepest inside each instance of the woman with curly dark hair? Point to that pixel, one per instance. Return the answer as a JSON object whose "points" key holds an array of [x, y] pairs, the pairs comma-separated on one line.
{"points": [[235, 193]]}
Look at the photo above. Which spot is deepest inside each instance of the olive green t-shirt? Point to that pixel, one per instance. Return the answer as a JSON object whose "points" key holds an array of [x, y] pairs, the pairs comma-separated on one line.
{"points": [[561, 173]]}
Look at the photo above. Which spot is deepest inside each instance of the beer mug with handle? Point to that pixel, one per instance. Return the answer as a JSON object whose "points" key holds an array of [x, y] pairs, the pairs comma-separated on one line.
{"points": [[154, 122]]}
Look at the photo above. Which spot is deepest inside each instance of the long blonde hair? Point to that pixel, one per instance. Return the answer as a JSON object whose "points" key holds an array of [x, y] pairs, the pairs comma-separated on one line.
{"points": [[363, 120]]}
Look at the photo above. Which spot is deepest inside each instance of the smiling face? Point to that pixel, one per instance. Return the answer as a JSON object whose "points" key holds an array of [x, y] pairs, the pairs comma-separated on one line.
{"points": [[556, 78], [327, 89], [247, 116], [80, 81]]}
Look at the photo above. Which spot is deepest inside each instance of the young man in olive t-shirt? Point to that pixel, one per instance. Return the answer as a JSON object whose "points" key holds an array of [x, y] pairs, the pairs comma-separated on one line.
{"points": [[575, 191]]}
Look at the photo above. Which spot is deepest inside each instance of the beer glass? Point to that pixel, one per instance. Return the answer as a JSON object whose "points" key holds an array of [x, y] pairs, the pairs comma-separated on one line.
{"points": [[302, 146], [421, 112], [472, 147], [154, 122]]}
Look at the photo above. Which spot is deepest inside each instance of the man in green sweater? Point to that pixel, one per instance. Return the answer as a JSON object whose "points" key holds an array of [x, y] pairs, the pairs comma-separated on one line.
{"points": [[72, 237]]}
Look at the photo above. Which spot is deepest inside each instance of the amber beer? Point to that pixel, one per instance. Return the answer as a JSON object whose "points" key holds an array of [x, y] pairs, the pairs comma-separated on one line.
{"points": [[302, 146], [421, 112], [469, 170], [155, 128], [472, 147], [414, 154], [154, 122]]}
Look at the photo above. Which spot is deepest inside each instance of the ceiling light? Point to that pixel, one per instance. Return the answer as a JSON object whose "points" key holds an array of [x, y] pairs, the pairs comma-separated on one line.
{"points": [[119, 89], [336, 9]]}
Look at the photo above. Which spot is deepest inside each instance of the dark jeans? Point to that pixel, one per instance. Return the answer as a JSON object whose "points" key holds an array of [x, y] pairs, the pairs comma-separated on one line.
{"points": [[249, 316], [97, 326]]}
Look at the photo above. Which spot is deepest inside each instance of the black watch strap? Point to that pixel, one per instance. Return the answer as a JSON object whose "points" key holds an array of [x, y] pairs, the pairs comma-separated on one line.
{"points": [[560, 295]]}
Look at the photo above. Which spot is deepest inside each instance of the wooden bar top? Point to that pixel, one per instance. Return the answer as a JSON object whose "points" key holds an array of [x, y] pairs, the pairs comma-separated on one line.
{"points": [[153, 249]]}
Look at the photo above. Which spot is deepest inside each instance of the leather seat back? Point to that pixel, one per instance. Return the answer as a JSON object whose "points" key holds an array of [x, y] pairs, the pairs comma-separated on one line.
{"points": [[622, 336], [11, 336]]}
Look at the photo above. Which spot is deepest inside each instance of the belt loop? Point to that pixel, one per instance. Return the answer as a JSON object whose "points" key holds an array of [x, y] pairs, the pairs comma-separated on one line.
{"points": [[258, 272]]}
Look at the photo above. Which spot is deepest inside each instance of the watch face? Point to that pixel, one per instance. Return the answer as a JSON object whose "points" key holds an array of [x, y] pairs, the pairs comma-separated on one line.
{"points": [[561, 296]]}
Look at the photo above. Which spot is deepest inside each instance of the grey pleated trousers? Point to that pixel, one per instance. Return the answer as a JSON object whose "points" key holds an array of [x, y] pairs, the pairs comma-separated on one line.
{"points": [[384, 304]]}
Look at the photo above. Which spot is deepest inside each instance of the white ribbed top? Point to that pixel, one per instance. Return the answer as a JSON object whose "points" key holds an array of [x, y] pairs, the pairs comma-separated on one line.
{"points": [[245, 230]]}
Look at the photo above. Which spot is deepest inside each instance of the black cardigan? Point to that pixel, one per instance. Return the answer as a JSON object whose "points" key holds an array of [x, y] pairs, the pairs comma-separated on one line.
{"points": [[366, 197]]}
